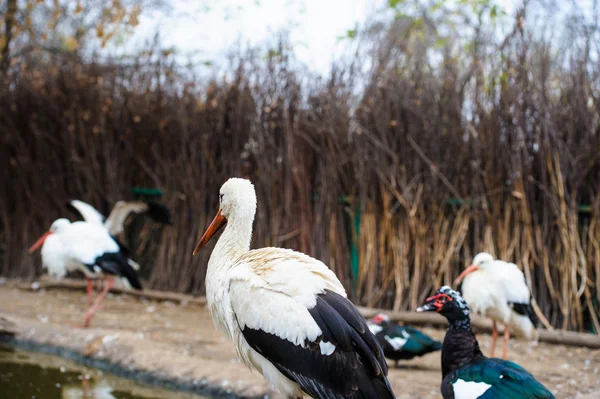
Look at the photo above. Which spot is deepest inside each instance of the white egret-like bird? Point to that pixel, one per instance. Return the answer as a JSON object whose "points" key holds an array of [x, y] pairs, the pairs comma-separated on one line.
{"points": [[85, 247], [497, 289], [287, 313]]}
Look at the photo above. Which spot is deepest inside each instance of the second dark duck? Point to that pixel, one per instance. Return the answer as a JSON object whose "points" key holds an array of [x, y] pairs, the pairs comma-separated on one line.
{"points": [[401, 342]]}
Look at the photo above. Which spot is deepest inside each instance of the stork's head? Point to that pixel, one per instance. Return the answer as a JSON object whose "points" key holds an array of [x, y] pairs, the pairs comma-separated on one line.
{"points": [[57, 226], [482, 261], [447, 302], [380, 319], [237, 203]]}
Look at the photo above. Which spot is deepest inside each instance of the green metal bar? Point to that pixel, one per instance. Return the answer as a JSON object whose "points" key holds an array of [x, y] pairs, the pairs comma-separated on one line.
{"points": [[152, 192], [458, 201], [354, 258], [352, 235], [585, 208]]}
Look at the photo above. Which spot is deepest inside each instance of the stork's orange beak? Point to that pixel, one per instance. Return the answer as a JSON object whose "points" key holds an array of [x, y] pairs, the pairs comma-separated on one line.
{"points": [[39, 242], [218, 222], [468, 270]]}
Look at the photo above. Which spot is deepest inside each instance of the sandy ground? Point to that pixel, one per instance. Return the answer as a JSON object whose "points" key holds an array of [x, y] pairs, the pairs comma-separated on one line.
{"points": [[178, 342]]}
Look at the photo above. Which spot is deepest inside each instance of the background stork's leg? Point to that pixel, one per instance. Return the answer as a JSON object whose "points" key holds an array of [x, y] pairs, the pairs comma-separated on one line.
{"points": [[494, 338], [90, 289], [506, 337], [90, 312]]}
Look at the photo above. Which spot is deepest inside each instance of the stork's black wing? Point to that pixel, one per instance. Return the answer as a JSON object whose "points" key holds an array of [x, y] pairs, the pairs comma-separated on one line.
{"points": [[355, 369], [116, 264]]}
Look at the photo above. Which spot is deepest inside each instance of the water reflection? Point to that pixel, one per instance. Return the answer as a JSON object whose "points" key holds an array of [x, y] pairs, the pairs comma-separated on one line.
{"points": [[88, 390], [25, 375]]}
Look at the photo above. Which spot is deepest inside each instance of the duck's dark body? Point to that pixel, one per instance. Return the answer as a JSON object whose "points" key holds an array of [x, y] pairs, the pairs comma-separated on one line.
{"points": [[505, 379], [466, 372], [405, 343]]}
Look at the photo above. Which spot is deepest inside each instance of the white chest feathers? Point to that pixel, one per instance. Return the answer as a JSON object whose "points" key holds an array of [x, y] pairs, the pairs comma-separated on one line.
{"points": [[469, 389]]}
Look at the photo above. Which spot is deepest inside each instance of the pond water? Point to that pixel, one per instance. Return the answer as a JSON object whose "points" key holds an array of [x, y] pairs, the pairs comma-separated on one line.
{"points": [[27, 375]]}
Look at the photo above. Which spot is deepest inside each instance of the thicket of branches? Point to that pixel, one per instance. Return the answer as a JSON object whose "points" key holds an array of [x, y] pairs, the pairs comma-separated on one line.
{"points": [[496, 148]]}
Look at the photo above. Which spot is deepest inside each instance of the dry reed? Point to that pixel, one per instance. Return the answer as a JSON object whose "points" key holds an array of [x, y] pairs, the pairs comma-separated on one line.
{"points": [[401, 148]]}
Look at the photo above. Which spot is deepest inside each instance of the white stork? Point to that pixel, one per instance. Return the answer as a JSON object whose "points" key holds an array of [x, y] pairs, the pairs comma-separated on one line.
{"points": [[119, 213], [89, 248], [287, 313], [497, 289]]}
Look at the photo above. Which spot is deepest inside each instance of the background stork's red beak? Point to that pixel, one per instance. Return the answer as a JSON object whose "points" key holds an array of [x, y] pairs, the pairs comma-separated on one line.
{"points": [[468, 270], [39, 242], [218, 222]]}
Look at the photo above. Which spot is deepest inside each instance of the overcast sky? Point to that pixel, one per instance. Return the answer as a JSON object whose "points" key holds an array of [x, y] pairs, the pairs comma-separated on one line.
{"points": [[314, 25]]}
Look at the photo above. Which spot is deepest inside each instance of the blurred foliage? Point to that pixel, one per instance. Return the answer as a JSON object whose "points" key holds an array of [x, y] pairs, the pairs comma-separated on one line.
{"points": [[65, 26]]}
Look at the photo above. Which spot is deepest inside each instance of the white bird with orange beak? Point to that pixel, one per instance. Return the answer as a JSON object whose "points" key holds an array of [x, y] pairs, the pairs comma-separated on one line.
{"points": [[89, 248], [287, 313], [497, 289]]}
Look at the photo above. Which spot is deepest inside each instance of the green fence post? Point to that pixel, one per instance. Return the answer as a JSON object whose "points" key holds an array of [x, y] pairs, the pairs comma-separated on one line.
{"points": [[353, 235]]}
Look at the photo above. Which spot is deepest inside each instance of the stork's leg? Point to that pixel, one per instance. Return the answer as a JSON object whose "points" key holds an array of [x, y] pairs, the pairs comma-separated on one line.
{"points": [[494, 337], [506, 337], [90, 289], [90, 312]]}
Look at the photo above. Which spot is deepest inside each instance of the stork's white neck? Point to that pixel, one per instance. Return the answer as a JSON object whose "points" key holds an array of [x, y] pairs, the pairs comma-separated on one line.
{"points": [[233, 243]]}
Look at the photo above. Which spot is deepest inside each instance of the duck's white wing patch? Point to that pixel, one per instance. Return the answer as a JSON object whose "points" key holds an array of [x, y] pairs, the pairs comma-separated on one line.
{"points": [[374, 328], [469, 389], [397, 342]]}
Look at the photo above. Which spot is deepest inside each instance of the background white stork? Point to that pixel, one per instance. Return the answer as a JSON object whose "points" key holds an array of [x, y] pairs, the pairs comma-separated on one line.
{"points": [[287, 313], [497, 289], [86, 247], [116, 219]]}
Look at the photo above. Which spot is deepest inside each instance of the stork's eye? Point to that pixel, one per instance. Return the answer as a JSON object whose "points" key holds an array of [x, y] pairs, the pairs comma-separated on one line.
{"points": [[220, 197]]}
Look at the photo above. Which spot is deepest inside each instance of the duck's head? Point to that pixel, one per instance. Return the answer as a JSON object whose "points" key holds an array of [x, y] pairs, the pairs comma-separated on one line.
{"points": [[447, 302], [380, 319], [56, 227], [237, 204]]}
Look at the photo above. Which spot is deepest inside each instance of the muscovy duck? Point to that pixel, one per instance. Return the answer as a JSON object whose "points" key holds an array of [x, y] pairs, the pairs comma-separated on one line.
{"points": [[401, 342], [466, 372]]}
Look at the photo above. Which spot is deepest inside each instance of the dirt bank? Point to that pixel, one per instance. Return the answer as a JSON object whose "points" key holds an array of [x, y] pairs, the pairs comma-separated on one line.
{"points": [[175, 344]]}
